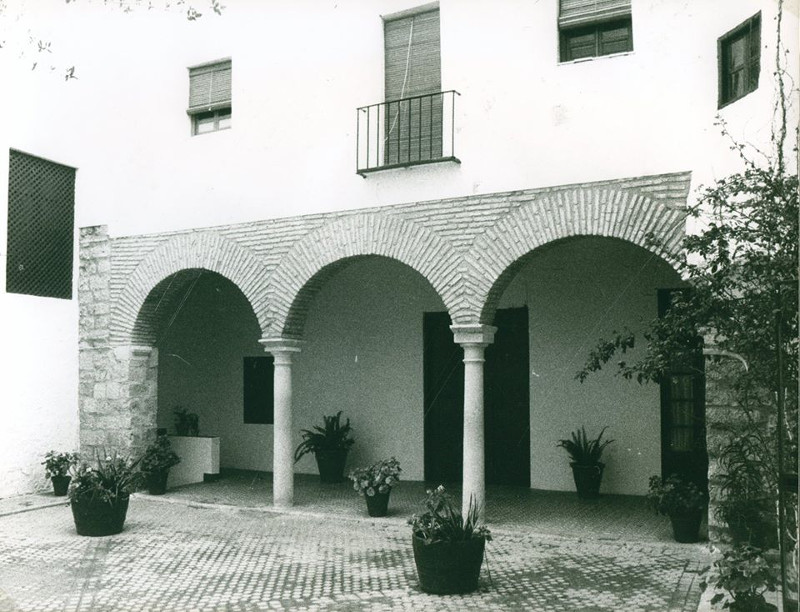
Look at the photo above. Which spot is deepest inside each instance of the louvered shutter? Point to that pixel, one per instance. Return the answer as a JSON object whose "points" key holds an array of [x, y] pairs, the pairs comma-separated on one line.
{"points": [[413, 68], [754, 55], [573, 13], [210, 87]]}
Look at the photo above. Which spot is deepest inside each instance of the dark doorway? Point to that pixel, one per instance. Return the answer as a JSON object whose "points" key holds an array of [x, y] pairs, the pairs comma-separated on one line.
{"points": [[683, 415], [506, 400]]}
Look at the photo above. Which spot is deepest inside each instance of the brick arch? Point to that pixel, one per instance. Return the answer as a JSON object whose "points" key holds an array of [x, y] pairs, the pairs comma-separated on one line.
{"points": [[133, 321], [304, 269], [497, 255]]}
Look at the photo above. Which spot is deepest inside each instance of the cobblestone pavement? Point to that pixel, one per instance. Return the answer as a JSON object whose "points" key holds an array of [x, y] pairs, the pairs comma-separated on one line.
{"points": [[183, 557]]}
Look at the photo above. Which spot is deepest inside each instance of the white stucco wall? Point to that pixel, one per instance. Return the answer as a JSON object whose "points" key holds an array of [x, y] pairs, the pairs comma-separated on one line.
{"points": [[578, 291]]}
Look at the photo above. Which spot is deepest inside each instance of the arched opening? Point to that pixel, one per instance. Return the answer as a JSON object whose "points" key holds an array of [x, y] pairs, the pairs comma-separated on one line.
{"points": [[207, 335], [577, 290], [363, 354]]}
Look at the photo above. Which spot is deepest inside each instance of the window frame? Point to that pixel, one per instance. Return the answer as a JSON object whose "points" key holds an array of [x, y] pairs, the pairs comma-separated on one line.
{"points": [[595, 28], [745, 29], [215, 109]]}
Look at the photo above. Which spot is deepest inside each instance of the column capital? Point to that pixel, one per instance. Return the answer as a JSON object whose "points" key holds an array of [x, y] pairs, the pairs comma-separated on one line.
{"points": [[475, 335], [281, 345]]}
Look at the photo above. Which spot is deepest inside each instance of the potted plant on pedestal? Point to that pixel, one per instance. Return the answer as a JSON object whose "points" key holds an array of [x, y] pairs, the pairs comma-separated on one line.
{"points": [[158, 458], [329, 444], [99, 495], [56, 468], [375, 484], [682, 501], [186, 423], [448, 547], [741, 576], [585, 454]]}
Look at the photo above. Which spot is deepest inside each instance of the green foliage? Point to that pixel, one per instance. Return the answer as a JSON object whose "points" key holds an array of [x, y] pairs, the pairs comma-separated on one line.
{"points": [[58, 464], [674, 496], [111, 478], [380, 477], [331, 436], [442, 521], [743, 575], [582, 450], [158, 456], [186, 423]]}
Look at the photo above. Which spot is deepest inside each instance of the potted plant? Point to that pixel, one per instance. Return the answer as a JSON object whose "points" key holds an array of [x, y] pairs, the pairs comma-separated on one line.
{"points": [[329, 444], [99, 495], [682, 501], [156, 462], [448, 547], [186, 423], [56, 468], [742, 575], [585, 454], [375, 484]]}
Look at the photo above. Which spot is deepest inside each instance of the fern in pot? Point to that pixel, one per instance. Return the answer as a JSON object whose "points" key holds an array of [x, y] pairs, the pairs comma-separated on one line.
{"points": [[585, 455], [329, 444]]}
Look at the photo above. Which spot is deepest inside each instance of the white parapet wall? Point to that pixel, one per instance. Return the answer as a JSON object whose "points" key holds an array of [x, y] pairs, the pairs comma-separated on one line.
{"points": [[199, 456]]}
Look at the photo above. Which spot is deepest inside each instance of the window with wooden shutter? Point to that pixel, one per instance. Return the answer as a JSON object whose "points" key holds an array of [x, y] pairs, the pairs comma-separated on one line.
{"points": [[258, 390], [41, 221], [210, 104], [739, 54], [413, 84], [591, 28]]}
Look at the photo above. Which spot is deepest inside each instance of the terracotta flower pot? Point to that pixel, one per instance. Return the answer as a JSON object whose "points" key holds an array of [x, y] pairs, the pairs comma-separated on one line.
{"points": [[60, 485], [157, 482], [587, 479], [446, 568], [686, 526], [331, 465], [378, 504], [99, 518]]}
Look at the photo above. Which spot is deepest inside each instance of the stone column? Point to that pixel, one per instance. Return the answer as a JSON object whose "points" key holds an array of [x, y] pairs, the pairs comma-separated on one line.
{"points": [[282, 448], [474, 339]]}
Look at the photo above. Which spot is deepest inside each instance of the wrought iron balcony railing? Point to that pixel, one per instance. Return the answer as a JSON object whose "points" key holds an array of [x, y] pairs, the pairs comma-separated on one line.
{"points": [[406, 132]]}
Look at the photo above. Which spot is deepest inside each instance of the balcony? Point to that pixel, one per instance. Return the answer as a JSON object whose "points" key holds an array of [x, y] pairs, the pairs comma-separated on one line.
{"points": [[406, 132]]}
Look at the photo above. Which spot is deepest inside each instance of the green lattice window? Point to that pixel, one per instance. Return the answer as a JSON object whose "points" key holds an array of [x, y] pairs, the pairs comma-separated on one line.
{"points": [[41, 221]]}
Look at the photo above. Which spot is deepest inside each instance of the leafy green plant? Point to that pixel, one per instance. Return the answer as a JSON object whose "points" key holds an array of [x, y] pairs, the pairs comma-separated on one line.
{"points": [[158, 456], [742, 575], [674, 496], [332, 436], [58, 464], [442, 520], [582, 450], [110, 479], [186, 423], [380, 477]]}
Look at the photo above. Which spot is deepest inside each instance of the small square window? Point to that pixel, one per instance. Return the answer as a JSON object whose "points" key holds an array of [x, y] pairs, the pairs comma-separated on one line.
{"points": [[739, 54], [592, 28], [258, 390], [210, 106]]}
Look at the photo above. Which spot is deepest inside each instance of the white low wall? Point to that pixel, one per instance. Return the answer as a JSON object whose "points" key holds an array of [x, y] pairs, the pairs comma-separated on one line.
{"points": [[199, 456]]}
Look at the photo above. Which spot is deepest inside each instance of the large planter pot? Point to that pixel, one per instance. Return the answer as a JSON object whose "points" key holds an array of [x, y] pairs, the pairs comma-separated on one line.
{"points": [[157, 482], [757, 603], [99, 518], [686, 526], [587, 479], [331, 465], [378, 504], [446, 568], [60, 485]]}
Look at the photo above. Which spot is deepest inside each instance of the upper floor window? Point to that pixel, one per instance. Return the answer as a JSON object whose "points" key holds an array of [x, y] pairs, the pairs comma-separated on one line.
{"points": [[210, 105], [591, 28], [41, 221], [739, 54]]}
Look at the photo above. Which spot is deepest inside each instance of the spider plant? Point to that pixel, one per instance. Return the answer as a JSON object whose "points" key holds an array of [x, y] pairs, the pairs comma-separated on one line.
{"points": [[582, 450]]}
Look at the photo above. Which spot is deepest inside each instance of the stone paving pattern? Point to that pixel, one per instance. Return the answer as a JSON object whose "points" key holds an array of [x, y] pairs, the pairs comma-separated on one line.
{"points": [[176, 554]]}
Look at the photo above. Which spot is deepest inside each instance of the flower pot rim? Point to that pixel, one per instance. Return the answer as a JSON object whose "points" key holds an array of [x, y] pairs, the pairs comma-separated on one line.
{"points": [[424, 543], [587, 465]]}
